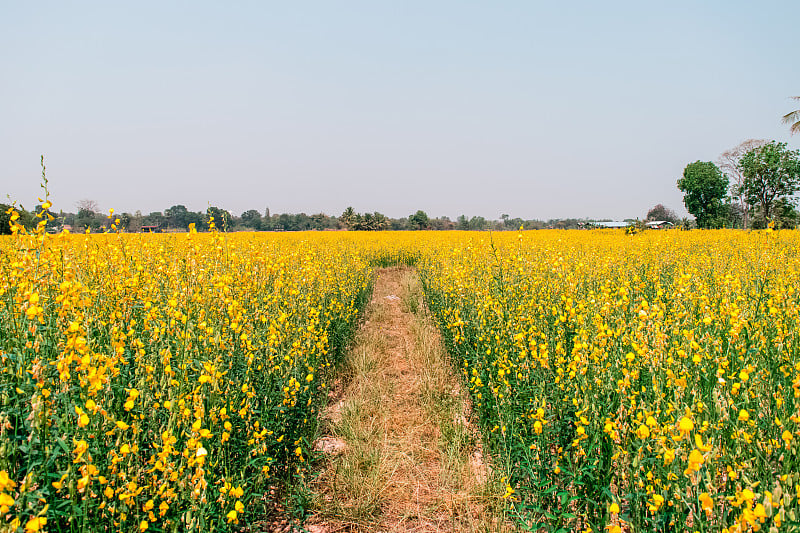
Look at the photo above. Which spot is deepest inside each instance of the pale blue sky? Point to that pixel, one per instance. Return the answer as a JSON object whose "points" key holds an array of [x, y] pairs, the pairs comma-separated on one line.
{"points": [[535, 109]]}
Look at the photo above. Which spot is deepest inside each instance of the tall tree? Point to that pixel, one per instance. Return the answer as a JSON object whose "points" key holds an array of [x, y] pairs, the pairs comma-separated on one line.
{"points": [[705, 188], [177, 216], [728, 163], [477, 223], [222, 218], [793, 118], [5, 219], [660, 212], [88, 205], [418, 220], [771, 174], [348, 217], [252, 219]]}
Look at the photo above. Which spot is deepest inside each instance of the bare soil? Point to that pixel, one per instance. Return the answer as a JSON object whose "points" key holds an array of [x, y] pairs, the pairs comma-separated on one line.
{"points": [[416, 490]]}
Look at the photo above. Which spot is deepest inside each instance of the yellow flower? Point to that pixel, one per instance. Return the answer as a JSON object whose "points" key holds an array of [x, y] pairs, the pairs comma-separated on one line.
{"points": [[658, 501], [81, 446], [201, 454], [35, 524], [695, 461], [669, 456], [706, 502], [643, 432], [685, 425], [744, 416], [6, 501], [760, 512], [5, 481], [698, 440]]}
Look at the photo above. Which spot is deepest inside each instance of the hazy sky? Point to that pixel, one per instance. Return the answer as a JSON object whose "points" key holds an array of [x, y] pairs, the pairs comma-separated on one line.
{"points": [[535, 109]]}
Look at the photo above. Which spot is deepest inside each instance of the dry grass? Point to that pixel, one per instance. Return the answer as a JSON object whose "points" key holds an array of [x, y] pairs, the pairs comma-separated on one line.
{"points": [[410, 459]]}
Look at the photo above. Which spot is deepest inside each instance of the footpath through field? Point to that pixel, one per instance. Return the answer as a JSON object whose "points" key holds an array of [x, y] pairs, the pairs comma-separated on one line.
{"points": [[401, 454]]}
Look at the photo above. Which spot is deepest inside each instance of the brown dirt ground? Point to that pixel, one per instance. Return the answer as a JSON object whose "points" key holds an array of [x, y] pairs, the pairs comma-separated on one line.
{"points": [[415, 495]]}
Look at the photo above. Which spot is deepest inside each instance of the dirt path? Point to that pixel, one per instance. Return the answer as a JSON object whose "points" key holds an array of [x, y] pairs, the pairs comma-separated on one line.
{"points": [[402, 455]]}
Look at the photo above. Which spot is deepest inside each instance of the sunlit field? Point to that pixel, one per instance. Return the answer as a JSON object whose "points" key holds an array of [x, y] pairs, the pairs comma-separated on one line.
{"points": [[642, 382], [163, 381]]}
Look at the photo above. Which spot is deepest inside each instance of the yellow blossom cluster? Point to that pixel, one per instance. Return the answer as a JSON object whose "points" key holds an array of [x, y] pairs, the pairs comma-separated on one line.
{"points": [[163, 382], [644, 382]]}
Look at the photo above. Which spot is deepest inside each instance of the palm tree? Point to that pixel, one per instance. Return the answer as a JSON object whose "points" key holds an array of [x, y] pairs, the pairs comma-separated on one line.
{"points": [[793, 119]]}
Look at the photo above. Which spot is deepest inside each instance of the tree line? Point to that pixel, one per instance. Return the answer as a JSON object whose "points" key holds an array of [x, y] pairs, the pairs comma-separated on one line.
{"points": [[752, 185], [88, 216]]}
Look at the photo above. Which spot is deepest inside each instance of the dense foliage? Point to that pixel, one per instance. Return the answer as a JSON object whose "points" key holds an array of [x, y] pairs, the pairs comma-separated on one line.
{"points": [[771, 178], [705, 189]]}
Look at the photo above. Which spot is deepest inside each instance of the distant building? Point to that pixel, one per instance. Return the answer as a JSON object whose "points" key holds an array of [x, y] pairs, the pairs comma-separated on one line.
{"points": [[613, 224], [659, 224], [151, 229]]}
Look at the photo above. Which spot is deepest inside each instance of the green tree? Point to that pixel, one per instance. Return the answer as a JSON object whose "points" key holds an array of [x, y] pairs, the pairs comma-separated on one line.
{"points": [[704, 188], [177, 217], [477, 223], [86, 218], [380, 222], [252, 219], [5, 219], [222, 218], [418, 220], [728, 163], [793, 119], [771, 174], [125, 221], [348, 217]]}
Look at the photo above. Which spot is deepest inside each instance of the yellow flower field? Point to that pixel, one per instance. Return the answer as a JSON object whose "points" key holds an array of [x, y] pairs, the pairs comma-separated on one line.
{"points": [[161, 381], [632, 383], [644, 382]]}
